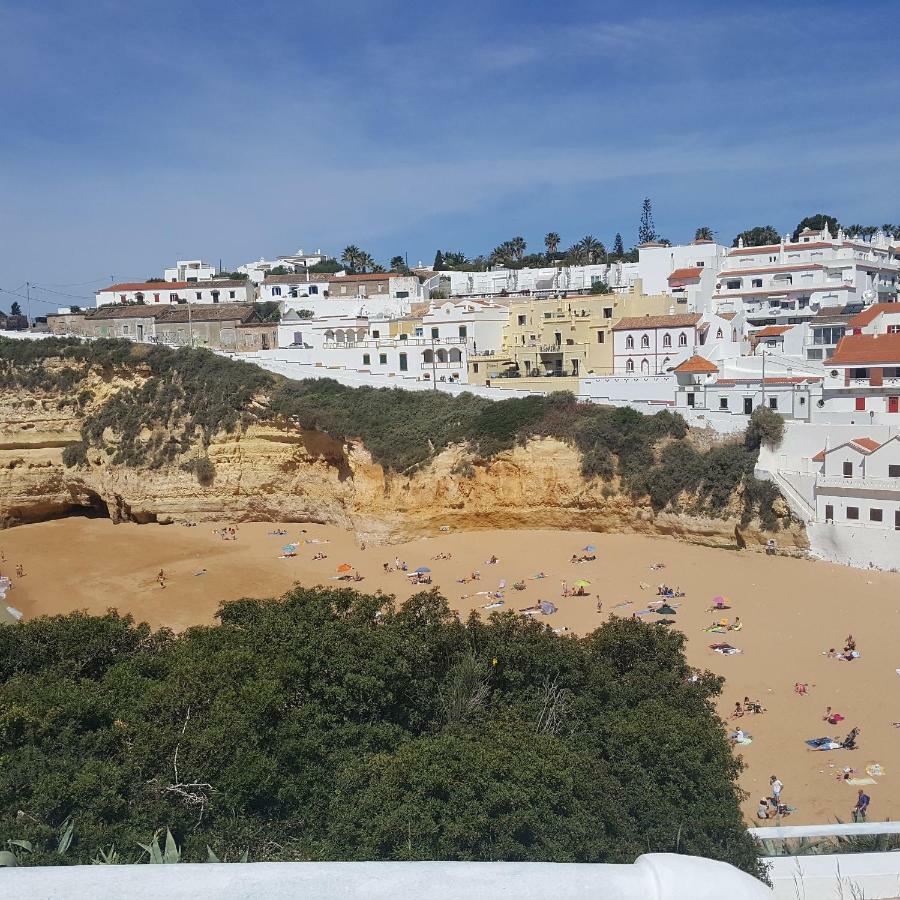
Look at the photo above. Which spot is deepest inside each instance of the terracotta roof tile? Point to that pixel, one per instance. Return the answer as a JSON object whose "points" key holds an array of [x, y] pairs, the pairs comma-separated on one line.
{"points": [[867, 349], [686, 274], [696, 365], [864, 443], [872, 312], [772, 331], [683, 320]]}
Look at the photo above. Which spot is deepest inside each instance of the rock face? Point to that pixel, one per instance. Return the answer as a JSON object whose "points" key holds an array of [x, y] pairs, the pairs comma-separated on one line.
{"points": [[281, 473]]}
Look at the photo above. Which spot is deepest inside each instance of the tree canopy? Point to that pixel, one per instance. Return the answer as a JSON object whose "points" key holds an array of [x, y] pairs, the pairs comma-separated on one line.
{"points": [[759, 236], [817, 223], [333, 725]]}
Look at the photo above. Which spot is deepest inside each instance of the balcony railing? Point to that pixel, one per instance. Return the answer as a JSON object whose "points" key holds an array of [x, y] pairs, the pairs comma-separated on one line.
{"points": [[858, 484]]}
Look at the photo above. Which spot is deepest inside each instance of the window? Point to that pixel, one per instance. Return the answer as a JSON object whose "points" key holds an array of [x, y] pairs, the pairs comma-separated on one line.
{"points": [[403, 365], [848, 469], [645, 342], [699, 264], [382, 359], [756, 282], [199, 295], [667, 340], [402, 295], [875, 515], [276, 291], [829, 512], [860, 404], [435, 333], [803, 401], [215, 296], [156, 298], [719, 335], [124, 329], [723, 403], [367, 360], [376, 333], [607, 312], [173, 298], [773, 403], [773, 259], [733, 284], [601, 337], [893, 471], [231, 295], [521, 320], [629, 366], [813, 354], [682, 340], [462, 331], [629, 343], [313, 289], [853, 512], [802, 302], [474, 367], [122, 298]]}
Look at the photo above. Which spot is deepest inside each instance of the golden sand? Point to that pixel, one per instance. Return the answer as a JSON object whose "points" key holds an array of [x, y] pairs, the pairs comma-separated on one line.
{"points": [[792, 611]]}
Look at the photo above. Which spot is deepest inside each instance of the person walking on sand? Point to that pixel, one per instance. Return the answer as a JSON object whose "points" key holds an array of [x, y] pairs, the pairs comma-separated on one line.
{"points": [[20, 571], [860, 811], [777, 787], [161, 578]]}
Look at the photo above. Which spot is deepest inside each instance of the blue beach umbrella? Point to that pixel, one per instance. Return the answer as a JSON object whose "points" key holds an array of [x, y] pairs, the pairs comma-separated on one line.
{"points": [[590, 549], [422, 570]]}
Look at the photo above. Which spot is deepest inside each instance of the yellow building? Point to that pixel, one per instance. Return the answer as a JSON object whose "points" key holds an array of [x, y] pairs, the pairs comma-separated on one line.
{"points": [[563, 337]]}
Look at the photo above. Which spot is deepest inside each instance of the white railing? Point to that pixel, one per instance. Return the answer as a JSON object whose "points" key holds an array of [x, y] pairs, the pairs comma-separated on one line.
{"points": [[654, 876], [865, 484]]}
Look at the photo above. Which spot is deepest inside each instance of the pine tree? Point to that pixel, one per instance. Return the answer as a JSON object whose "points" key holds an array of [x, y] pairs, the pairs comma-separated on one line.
{"points": [[618, 247], [438, 262], [647, 230]]}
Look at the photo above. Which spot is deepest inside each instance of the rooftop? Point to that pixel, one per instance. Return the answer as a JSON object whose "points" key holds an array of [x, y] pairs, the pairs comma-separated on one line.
{"points": [[872, 312], [866, 349], [696, 365], [867, 445], [681, 320], [686, 274], [771, 331]]}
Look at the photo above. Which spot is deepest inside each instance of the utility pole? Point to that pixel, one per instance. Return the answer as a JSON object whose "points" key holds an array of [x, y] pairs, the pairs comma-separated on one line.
{"points": [[433, 368], [190, 327], [764, 378], [28, 301]]}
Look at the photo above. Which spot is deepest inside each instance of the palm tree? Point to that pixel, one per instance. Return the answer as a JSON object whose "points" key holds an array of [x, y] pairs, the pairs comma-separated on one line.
{"points": [[551, 242], [365, 263], [591, 249], [350, 256], [398, 264], [703, 233], [517, 245]]}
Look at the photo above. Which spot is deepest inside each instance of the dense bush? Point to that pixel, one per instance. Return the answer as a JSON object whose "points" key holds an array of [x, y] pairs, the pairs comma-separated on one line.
{"points": [[74, 455], [766, 427], [203, 468], [330, 725]]}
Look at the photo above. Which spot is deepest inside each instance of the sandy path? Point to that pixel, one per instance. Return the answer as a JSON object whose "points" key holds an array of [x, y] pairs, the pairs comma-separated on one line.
{"points": [[793, 610]]}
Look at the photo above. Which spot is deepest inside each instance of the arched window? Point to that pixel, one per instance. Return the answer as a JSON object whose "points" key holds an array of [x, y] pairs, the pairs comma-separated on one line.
{"points": [[666, 362], [629, 343], [441, 355], [339, 335], [667, 340], [455, 355], [645, 342], [428, 356], [276, 291], [360, 334], [682, 340], [329, 335], [645, 367], [629, 366], [719, 335]]}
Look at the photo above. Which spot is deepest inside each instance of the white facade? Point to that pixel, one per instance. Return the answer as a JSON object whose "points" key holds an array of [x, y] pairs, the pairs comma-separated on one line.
{"points": [[303, 259], [190, 270], [652, 345], [481, 325], [694, 267], [257, 271], [549, 279], [153, 292], [790, 282]]}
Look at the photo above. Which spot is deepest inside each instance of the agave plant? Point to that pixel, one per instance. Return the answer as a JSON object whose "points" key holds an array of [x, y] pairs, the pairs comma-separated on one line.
{"points": [[159, 855], [109, 857], [211, 856]]}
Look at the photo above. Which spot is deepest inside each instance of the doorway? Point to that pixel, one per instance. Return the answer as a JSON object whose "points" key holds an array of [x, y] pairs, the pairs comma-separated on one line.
{"points": [[748, 405], [829, 513]]}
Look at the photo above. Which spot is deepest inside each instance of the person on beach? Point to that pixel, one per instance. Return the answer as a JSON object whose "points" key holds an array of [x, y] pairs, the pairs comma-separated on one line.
{"points": [[20, 571], [776, 787], [762, 810], [565, 588], [861, 810], [161, 578], [738, 710]]}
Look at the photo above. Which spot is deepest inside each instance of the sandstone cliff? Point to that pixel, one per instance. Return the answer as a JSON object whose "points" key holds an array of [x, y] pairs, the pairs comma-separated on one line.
{"points": [[278, 472]]}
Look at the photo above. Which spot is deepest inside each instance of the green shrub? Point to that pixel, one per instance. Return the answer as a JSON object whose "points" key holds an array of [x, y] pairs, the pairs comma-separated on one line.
{"points": [[765, 427], [203, 468], [74, 455], [303, 732]]}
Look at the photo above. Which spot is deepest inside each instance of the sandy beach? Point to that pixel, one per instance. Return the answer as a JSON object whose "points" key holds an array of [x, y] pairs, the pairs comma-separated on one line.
{"points": [[792, 612]]}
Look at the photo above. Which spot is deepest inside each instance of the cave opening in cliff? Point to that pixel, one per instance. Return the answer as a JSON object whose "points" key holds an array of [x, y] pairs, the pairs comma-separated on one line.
{"points": [[89, 505]]}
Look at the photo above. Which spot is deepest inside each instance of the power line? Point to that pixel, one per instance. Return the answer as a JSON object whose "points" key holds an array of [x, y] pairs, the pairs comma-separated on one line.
{"points": [[80, 283], [61, 293]]}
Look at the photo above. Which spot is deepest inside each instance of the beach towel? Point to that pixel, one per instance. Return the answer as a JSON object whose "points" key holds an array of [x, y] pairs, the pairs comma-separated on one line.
{"points": [[745, 740], [547, 608], [643, 612], [665, 622], [629, 602], [495, 605], [823, 743], [861, 781], [666, 610], [875, 770], [714, 629]]}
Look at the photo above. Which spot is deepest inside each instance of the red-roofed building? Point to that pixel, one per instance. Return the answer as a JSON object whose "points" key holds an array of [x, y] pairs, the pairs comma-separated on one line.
{"points": [[787, 283], [169, 292], [879, 318], [687, 272], [864, 378]]}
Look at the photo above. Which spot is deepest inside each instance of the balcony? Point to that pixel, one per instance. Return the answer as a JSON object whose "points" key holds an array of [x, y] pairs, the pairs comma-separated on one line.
{"points": [[858, 484]]}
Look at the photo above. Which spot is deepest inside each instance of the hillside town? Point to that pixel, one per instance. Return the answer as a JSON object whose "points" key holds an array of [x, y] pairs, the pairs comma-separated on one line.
{"points": [[807, 325]]}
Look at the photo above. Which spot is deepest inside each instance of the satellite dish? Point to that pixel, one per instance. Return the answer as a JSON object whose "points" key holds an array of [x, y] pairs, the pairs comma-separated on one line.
{"points": [[868, 295]]}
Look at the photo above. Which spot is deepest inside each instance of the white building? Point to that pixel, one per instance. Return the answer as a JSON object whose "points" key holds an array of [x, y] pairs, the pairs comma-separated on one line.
{"points": [[151, 292], [190, 270], [789, 282], [652, 345], [546, 280], [686, 271], [257, 271], [863, 378], [302, 259], [858, 484], [480, 325]]}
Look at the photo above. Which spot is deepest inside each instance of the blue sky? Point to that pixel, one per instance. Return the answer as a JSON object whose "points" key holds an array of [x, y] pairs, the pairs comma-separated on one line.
{"points": [[136, 133]]}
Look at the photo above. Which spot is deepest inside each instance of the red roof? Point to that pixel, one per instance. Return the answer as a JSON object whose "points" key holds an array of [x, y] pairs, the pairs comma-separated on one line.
{"points": [[683, 320], [771, 331], [150, 286], [873, 312], [686, 274], [696, 365], [867, 349], [775, 379], [864, 443]]}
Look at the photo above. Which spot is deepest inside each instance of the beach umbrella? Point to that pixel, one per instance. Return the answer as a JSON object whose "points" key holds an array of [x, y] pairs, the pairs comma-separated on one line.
{"points": [[590, 549], [547, 608], [582, 583], [343, 568], [422, 570], [289, 548], [719, 599]]}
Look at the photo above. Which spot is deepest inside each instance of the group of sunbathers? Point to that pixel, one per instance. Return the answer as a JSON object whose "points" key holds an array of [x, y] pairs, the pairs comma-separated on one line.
{"points": [[747, 707]]}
